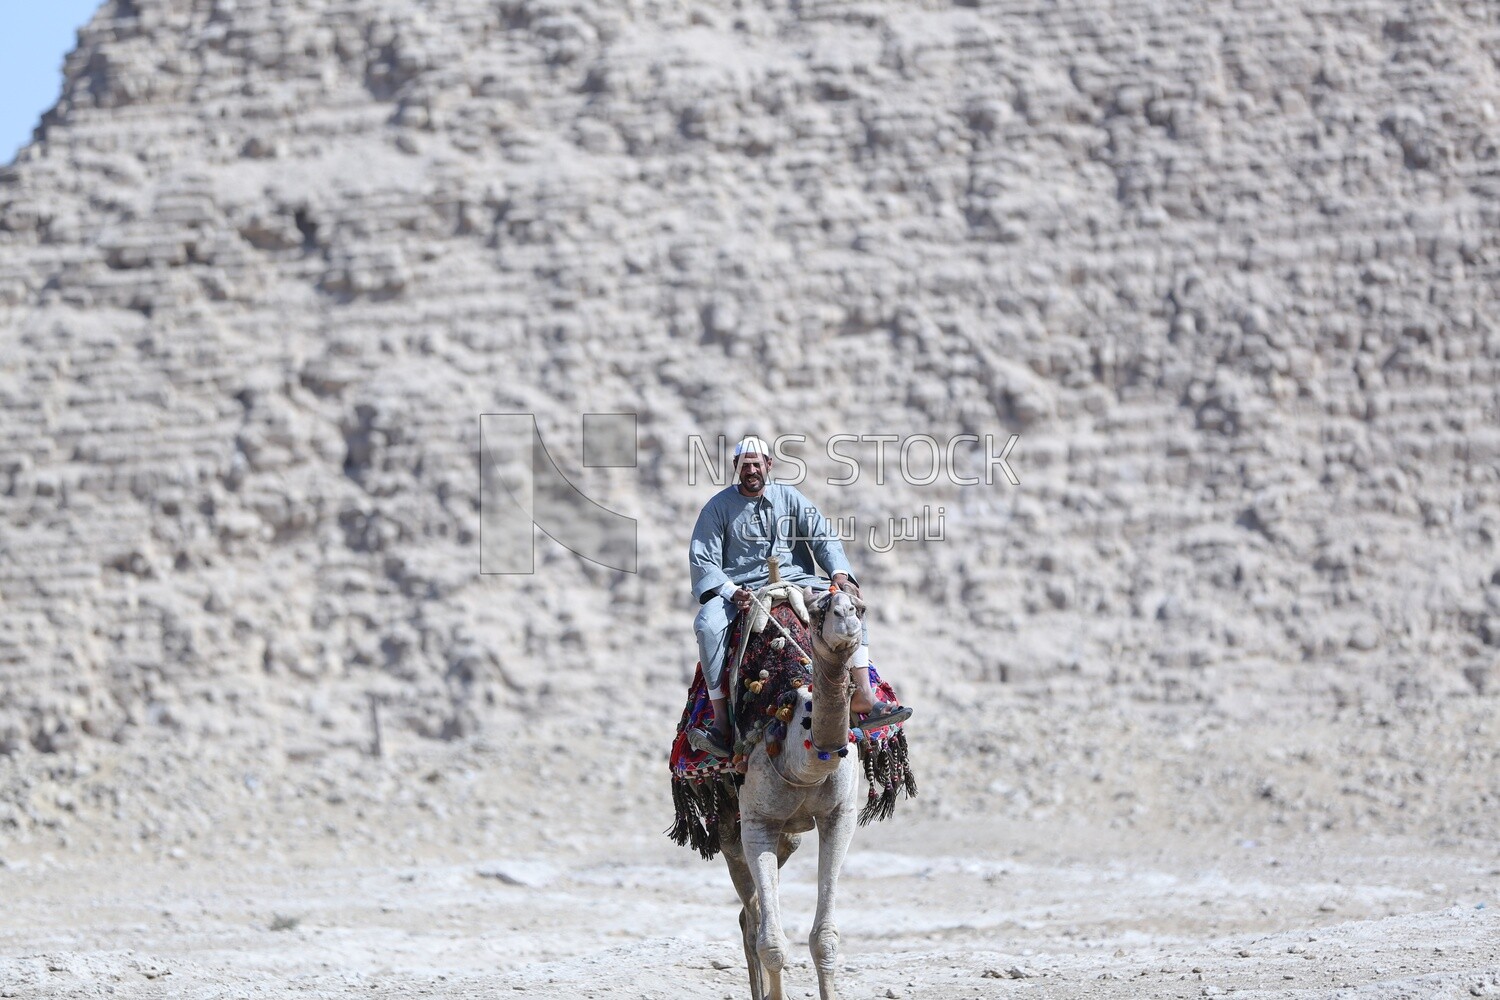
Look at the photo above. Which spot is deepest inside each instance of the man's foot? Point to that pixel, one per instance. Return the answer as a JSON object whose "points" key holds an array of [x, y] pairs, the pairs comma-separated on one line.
{"points": [[883, 713], [710, 741]]}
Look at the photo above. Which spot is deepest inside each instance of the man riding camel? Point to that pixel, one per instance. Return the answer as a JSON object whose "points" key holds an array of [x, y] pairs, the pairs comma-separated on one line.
{"points": [[739, 528]]}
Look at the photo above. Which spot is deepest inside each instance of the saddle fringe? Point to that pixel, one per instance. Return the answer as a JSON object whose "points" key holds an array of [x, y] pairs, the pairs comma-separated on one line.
{"points": [[699, 802], [887, 768]]}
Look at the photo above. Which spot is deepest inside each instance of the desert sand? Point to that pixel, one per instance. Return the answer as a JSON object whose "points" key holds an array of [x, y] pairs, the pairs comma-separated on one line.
{"points": [[1205, 698]]}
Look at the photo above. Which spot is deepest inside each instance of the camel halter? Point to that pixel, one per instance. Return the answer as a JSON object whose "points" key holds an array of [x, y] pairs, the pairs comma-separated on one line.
{"points": [[776, 770]]}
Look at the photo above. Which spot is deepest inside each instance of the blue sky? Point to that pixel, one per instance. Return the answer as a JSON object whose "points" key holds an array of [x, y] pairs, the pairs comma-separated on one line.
{"points": [[35, 35]]}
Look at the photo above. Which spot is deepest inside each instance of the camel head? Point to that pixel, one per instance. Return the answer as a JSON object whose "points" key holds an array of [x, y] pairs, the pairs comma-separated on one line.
{"points": [[835, 620]]}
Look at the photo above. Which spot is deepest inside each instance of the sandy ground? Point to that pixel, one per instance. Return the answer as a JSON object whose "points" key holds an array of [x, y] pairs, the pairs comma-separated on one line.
{"points": [[1207, 704], [931, 909]]}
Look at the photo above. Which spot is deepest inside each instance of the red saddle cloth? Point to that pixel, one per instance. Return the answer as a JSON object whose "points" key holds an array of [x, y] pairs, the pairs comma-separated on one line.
{"points": [[704, 786]]}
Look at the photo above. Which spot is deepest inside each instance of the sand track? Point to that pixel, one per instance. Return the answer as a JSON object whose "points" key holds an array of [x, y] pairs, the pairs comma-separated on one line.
{"points": [[932, 911]]}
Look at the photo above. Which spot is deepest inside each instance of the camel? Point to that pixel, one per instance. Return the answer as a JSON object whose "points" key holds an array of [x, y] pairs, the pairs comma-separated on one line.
{"points": [[790, 793]]}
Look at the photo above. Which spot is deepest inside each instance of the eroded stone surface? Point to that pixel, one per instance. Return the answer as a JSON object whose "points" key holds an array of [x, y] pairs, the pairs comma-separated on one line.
{"points": [[1226, 269]]}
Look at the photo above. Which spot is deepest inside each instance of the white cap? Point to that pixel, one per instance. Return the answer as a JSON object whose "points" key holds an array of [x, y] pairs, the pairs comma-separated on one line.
{"points": [[751, 445]]}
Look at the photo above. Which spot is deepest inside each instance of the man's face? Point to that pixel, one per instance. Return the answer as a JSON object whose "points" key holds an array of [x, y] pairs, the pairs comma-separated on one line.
{"points": [[753, 471]]}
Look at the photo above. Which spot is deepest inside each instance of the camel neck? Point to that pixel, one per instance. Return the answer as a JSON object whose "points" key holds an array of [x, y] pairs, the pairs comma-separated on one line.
{"points": [[831, 693], [798, 764]]}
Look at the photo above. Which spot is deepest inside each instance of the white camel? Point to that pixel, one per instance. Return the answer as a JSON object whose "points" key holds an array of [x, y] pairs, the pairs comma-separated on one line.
{"points": [[789, 794]]}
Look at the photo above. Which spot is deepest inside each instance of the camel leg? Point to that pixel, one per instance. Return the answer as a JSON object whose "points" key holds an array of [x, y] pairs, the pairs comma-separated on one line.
{"points": [[786, 847], [835, 831], [744, 885], [752, 960], [761, 845]]}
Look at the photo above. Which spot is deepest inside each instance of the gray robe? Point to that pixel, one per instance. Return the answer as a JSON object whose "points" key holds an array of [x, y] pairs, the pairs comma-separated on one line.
{"points": [[730, 543]]}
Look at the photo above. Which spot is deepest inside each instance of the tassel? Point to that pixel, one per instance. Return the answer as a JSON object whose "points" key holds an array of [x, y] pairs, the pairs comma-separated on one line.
{"points": [[698, 804], [888, 771]]}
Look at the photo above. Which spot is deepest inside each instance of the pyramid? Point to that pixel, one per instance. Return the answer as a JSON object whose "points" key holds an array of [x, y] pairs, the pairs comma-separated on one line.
{"points": [[1227, 271]]}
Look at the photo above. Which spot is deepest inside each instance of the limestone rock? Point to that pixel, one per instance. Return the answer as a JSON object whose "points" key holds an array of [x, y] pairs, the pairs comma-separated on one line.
{"points": [[1222, 267]]}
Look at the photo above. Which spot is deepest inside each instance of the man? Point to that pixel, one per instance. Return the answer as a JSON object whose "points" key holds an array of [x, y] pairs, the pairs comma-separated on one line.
{"points": [[737, 530]]}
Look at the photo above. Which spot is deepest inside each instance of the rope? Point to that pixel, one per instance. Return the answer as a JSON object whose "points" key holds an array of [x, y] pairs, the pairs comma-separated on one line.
{"points": [[776, 770], [779, 627], [739, 654]]}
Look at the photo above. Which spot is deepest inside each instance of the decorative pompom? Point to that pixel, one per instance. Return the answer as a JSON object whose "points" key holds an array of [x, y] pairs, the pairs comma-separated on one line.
{"points": [[843, 751], [824, 755], [773, 749], [765, 675], [785, 715], [803, 660], [807, 744], [755, 686]]}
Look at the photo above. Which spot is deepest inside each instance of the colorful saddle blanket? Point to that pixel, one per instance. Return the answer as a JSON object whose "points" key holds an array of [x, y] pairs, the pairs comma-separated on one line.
{"points": [[704, 786], [776, 667]]}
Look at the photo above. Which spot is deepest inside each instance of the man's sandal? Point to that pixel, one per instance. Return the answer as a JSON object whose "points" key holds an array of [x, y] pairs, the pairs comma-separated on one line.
{"points": [[710, 741], [883, 713]]}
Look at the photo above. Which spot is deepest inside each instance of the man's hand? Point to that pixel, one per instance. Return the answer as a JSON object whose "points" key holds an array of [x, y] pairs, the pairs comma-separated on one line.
{"points": [[741, 598], [841, 581]]}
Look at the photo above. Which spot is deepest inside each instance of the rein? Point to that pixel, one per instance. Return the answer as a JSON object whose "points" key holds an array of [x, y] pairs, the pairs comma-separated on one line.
{"points": [[779, 627], [739, 654]]}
